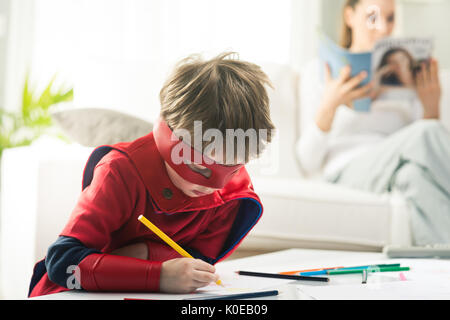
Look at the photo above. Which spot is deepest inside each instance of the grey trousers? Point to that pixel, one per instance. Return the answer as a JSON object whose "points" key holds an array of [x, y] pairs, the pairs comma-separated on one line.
{"points": [[414, 162]]}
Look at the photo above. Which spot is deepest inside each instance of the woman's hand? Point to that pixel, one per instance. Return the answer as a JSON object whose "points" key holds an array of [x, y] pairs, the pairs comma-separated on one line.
{"points": [[428, 89], [137, 250], [185, 275], [342, 90], [378, 87]]}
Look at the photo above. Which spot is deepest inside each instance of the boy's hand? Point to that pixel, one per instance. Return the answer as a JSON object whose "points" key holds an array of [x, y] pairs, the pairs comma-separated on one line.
{"points": [[185, 275]]}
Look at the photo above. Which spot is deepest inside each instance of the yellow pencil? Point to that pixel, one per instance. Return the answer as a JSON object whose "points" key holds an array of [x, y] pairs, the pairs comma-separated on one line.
{"points": [[167, 240]]}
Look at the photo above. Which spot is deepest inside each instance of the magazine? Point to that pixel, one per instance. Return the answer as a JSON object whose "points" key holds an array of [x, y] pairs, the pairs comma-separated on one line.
{"points": [[393, 63]]}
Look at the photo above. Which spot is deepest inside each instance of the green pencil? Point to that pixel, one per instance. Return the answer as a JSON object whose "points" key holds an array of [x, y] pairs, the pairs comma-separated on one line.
{"points": [[389, 269]]}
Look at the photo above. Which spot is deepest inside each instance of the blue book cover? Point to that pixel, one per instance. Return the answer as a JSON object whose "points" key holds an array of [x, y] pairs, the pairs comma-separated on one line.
{"points": [[338, 57]]}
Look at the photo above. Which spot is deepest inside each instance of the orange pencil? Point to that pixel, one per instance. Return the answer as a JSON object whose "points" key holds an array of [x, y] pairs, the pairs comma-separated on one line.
{"points": [[309, 270]]}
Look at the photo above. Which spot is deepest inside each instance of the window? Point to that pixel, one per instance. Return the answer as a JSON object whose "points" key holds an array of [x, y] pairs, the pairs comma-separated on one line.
{"points": [[117, 53]]}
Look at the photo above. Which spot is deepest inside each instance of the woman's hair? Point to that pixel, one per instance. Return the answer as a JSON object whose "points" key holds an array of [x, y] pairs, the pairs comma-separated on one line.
{"points": [[346, 32]]}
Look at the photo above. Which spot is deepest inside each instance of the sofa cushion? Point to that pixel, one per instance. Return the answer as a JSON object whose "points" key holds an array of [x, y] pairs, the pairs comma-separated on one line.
{"points": [[279, 159], [320, 215], [94, 127]]}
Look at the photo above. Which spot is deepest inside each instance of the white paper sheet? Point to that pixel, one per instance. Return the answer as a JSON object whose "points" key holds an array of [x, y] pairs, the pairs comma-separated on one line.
{"points": [[234, 283], [427, 280], [398, 290]]}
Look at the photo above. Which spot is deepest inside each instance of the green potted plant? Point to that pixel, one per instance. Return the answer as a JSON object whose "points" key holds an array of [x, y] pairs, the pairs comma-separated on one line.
{"points": [[22, 127]]}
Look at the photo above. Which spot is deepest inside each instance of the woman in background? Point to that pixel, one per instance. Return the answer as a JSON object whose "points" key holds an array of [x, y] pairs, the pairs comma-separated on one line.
{"points": [[399, 146]]}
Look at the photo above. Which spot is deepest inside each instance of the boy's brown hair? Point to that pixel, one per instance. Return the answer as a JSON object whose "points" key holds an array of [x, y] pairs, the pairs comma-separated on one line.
{"points": [[223, 93]]}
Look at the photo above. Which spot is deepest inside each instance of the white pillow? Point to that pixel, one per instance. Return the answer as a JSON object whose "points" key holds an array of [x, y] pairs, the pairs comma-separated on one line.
{"points": [[94, 127]]}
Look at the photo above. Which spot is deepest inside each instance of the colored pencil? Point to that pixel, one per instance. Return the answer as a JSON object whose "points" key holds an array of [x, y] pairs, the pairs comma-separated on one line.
{"points": [[167, 240], [388, 269], [324, 271], [238, 296], [299, 272], [281, 276]]}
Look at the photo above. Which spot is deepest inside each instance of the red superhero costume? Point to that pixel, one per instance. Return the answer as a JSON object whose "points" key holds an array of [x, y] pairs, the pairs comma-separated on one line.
{"points": [[123, 181]]}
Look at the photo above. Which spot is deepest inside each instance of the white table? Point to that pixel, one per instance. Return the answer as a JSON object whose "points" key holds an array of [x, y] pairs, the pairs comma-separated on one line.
{"points": [[428, 279]]}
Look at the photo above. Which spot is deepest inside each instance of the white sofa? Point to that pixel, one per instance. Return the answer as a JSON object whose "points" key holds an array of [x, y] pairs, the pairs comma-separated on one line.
{"points": [[40, 185]]}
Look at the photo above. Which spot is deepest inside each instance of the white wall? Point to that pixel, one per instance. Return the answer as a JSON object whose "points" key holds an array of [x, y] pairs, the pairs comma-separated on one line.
{"points": [[428, 18], [117, 53], [106, 44], [4, 18], [306, 17], [18, 50], [331, 17]]}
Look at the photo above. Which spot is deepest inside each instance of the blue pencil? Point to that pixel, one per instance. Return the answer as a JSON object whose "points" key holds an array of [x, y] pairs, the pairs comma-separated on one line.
{"points": [[320, 272]]}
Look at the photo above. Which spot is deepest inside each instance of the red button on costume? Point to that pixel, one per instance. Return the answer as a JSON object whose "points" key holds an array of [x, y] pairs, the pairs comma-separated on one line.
{"points": [[123, 181]]}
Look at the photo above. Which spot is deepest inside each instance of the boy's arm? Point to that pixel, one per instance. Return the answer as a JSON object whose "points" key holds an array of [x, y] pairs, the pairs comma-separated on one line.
{"points": [[102, 208], [95, 271], [105, 205], [62, 256], [106, 272]]}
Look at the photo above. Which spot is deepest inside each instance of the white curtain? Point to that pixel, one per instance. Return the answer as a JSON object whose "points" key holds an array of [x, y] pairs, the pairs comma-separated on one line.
{"points": [[117, 53]]}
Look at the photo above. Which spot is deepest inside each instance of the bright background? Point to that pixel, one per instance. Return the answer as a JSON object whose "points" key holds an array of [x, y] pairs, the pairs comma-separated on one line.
{"points": [[116, 53]]}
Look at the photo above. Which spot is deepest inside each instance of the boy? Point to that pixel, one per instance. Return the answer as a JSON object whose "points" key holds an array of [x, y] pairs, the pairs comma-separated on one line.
{"points": [[204, 201]]}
